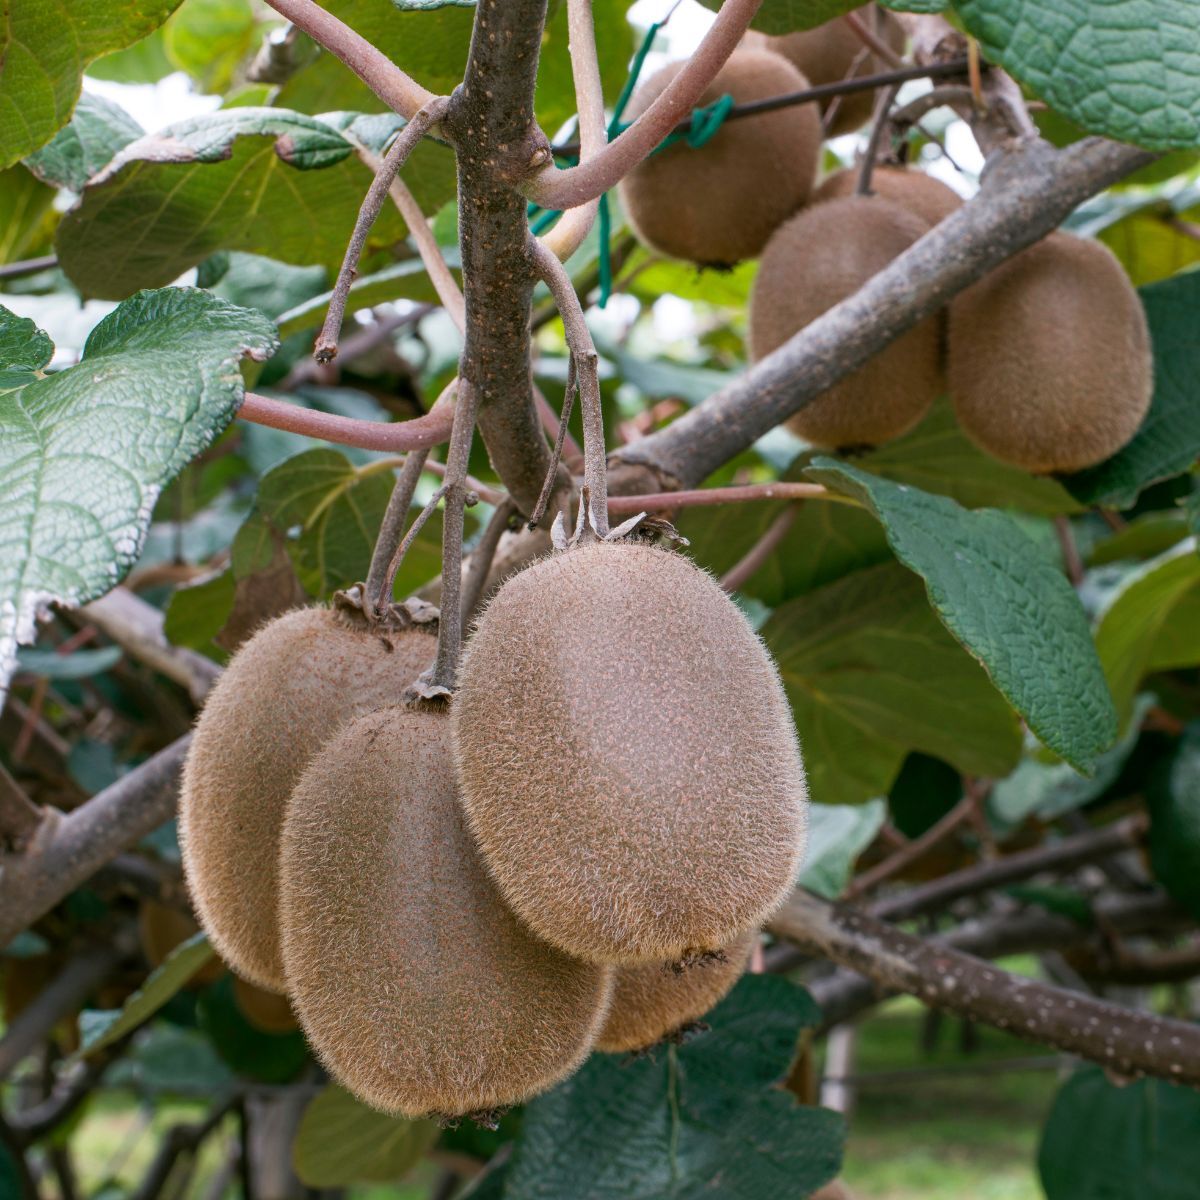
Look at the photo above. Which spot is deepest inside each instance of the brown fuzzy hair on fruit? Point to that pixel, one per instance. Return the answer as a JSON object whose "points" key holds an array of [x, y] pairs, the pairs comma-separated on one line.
{"points": [[817, 259], [921, 194], [416, 986], [284, 693], [627, 756], [829, 53], [718, 203], [1050, 365], [268, 1012], [162, 928], [651, 1002]]}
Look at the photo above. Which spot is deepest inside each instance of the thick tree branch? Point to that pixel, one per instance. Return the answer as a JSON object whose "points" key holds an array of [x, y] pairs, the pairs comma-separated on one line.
{"points": [[400, 93], [1025, 195], [563, 189], [1125, 1041], [492, 126], [69, 849]]}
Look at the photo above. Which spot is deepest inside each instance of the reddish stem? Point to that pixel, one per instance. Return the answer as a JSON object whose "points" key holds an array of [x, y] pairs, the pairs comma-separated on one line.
{"points": [[702, 497], [430, 430]]}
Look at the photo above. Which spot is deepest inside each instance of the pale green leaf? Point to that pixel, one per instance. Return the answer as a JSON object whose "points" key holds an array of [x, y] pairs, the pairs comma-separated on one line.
{"points": [[786, 16], [837, 835], [96, 132]]}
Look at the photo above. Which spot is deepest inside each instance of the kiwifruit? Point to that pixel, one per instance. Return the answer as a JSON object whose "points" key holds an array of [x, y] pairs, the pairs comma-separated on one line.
{"points": [[718, 203], [268, 1012], [827, 54], [1049, 359], [162, 928], [627, 756], [818, 258], [284, 693], [649, 1002], [921, 194], [420, 991]]}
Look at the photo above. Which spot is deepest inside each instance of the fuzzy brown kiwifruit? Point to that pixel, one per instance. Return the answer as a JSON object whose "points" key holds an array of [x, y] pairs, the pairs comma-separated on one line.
{"points": [[718, 203], [417, 987], [653, 1001], [921, 194], [627, 756], [828, 54], [817, 259], [1049, 360], [268, 1012], [284, 693], [162, 928]]}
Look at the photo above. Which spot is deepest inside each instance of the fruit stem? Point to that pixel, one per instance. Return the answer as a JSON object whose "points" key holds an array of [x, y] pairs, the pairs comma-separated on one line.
{"points": [[539, 509], [587, 377], [879, 122], [480, 561], [381, 575], [326, 347]]}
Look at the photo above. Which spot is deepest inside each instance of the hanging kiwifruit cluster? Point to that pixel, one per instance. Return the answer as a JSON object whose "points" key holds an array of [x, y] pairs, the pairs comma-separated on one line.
{"points": [[1017, 351], [460, 906]]}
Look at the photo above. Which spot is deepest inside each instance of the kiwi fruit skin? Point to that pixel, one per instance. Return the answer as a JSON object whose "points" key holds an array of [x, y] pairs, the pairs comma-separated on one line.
{"points": [[652, 1001], [1049, 358], [827, 54], [814, 261], [921, 194], [419, 990], [718, 204], [162, 928], [268, 1012], [284, 693], [627, 756]]}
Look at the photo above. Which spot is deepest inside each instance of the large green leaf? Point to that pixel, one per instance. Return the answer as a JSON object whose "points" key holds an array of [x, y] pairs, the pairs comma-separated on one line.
{"points": [[1168, 441], [702, 1120], [97, 131], [1129, 70], [209, 39], [24, 204], [101, 1029], [341, 1141], [1152, 622], [786, 16], [837, 835], [85, 452], [857, 658], [1004, 601], [267, 1057], [1105, 1140], [1175, 822], [45, 46], [261, 180]]}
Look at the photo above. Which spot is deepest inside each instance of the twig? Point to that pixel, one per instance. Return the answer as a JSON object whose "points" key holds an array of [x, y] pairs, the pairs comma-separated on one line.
{"points": [[872, 40], [1070, 552], [747, 566], [400, 93], [430, 430], [1190, 229], [912, 112], [381, 576], [563, 189], [704, 497], [489, 495], [449, 648], [583, 354], [913, 851], [178, 1140], [1128, 1042], [567, 236], [28, 266], [19, 816], [480, 561], [568, 405], [389, 167], [67, 1095], [879, 122], [361, 342]]}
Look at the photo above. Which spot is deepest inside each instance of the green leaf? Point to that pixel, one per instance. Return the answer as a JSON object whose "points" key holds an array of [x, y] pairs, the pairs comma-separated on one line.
{"points": [[266, 1057], [786, 16], [693, 1121], [916, 6], [23, 346], [937, 457], [24, 205], [79, 664], [209, 38], [1174, 839], [1168, 441], [44, 48], [837, 835], [857, 658], [1006, 604], [85, 452], [1150, 622], [256, 179], [1151, 248], [1130, 71], [341, 1142], [101, 1029], [1143, 537], [1135, 1140], [143, 62], [97, 131], [197, 613]]}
